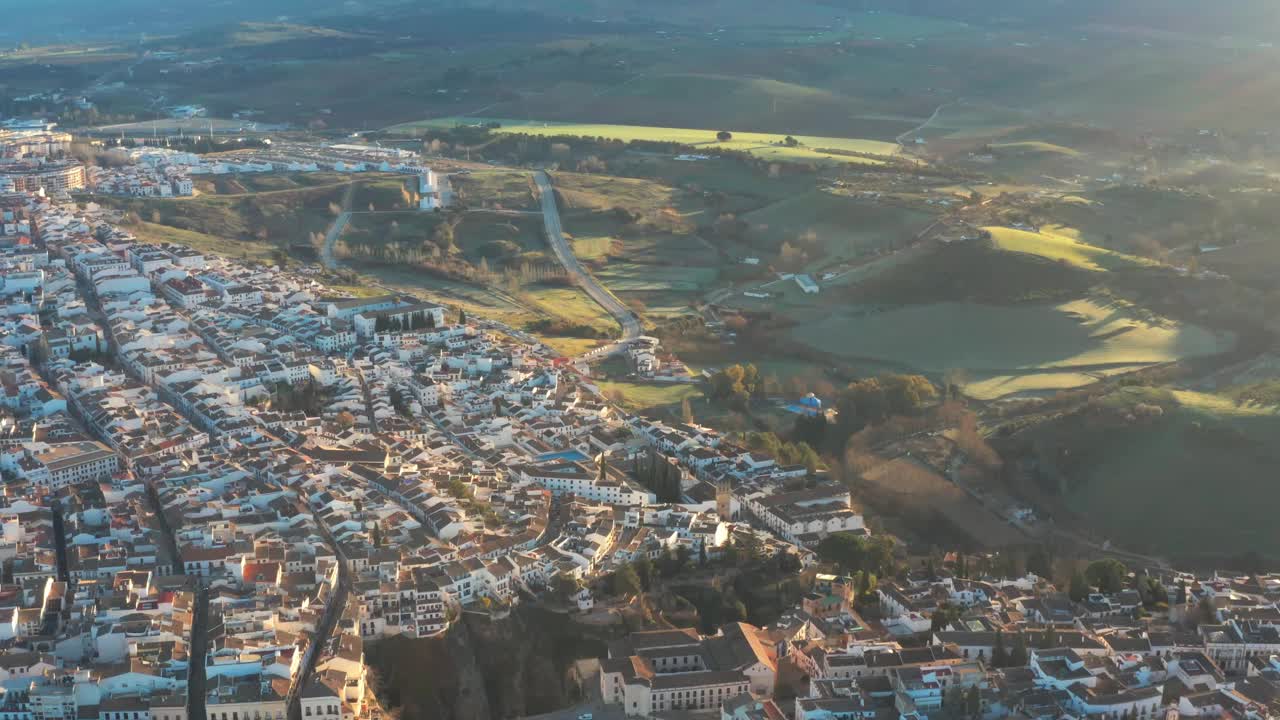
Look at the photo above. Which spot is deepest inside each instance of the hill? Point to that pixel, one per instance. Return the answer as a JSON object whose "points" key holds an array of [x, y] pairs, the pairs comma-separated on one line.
{"points": [[1192, 478]]}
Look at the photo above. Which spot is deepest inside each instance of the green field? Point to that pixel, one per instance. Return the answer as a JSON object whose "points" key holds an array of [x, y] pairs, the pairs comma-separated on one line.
{"points": [[535, 302], [654, 202], [650, 397], [1063, 245], [497, 238], [767, 146], [1034, 146], [664, 290], [251, 251], [497, 190], [1019, 348], [837, 226], [569, 303], [1207, 464], [265, 182]]}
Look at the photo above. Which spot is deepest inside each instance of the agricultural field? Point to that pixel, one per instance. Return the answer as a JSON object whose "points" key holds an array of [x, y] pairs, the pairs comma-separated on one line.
{"points": [[495, 190], [654, 202], [651, 398], [929, 497], [660, 290], [569, 304], [743, 191], [1023, 348], [1063, 245], [763, 145], [833, 227]]}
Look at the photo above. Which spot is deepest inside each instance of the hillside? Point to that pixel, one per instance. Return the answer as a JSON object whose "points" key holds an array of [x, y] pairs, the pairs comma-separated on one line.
{"points": [[1192, 478]]}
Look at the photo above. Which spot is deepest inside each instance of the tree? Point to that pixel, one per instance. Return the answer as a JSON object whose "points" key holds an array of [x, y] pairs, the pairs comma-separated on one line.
{"points": [[1040, 563], [565, 586], [943, 617], [1049, 640], [788, 563], [1153, 593], [724, 136], [1206, 612], [644, 571], [973, 702], [953, 700], [686, 411], [999, 655], [750, 548], [626, 581], [791, 142], [1018, 658], [857, 554], [1108, 575], [1079, 588]]}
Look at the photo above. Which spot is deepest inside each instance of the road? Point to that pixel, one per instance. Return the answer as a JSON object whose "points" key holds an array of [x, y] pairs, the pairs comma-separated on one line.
{"points": [[197, 684], [902, 139], [336, 229], [628, 321], [333, 612], [368, 403]]}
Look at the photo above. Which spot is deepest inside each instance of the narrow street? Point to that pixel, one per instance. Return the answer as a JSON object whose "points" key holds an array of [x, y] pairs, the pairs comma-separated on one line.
{"points": [[197, 680], [60, 541], [325, 631], [368, 404]]}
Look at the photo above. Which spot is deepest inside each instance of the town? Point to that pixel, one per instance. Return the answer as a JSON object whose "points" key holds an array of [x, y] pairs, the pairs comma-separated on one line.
{"points": [[603, 360], [223, 480]]}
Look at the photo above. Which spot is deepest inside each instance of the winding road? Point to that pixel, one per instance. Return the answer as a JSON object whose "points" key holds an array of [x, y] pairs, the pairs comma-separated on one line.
{"points": [[336, 229], [627, 319]]}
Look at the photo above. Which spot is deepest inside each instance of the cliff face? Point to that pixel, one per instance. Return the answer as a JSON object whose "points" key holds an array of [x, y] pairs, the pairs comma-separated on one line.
{"points": [[486, 668]]}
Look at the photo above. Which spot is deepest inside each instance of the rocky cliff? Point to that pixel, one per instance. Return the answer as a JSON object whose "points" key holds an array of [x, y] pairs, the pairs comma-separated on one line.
{"points": [[483, 667]]}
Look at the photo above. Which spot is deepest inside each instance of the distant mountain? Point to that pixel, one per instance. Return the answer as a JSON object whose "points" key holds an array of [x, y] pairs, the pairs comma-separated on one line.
{"points": [[71, 20], [75, 20], [1243, 17]]}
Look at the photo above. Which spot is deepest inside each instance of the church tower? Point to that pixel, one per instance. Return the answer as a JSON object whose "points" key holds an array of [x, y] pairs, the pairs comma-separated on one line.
{"points": [[724, 500]]}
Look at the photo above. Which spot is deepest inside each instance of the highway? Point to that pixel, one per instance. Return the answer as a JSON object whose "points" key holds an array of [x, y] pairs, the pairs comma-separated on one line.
{"points": [[564, 253]]}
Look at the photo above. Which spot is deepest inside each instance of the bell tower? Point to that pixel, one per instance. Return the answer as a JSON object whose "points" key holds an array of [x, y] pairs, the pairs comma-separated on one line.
{"points": [[724, 500]]}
